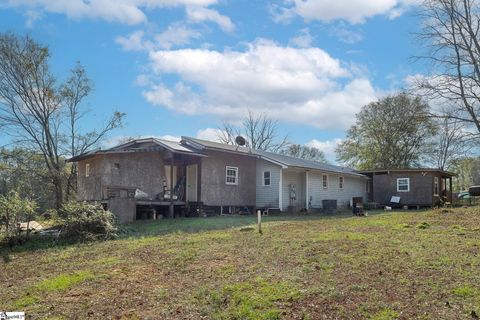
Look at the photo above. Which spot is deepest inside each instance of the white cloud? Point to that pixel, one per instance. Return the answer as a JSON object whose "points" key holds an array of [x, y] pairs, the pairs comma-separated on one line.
{"points": [[305, 86], [123, 11], [134, 42], [210, 134], [345, 34], [201, 14], [303, 40], [327, 146], [353, 11], [176, 35]]}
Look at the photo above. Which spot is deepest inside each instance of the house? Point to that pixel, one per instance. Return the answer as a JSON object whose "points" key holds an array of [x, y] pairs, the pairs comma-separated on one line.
{"points": [[421, 187], [152, 177]]}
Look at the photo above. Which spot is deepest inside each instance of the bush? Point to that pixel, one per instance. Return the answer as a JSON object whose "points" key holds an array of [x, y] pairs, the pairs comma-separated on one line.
{"points": [[81, 221], [13, 211]]}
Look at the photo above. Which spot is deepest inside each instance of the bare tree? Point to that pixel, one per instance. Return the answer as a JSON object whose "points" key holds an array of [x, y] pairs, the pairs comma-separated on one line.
{"points": [[260, 132], [41, 114], [451, 35], [304, 152], [451, 143]]}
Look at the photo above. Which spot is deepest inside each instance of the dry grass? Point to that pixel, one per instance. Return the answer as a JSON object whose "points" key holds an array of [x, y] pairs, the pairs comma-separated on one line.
{"points": [[400, 265]]}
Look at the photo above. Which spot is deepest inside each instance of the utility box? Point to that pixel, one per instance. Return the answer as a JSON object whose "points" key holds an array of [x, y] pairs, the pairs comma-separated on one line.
{"points": [[329, 206]]}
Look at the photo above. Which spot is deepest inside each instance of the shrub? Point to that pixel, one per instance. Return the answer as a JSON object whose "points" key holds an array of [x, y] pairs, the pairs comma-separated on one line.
{"points": [[81, 221], [13, 211]]}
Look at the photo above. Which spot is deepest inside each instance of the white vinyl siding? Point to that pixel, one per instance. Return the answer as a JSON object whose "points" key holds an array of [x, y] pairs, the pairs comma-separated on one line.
{"points": [[231, 175], [267, 196], [403, 184], [352, 187], [297, 178]]}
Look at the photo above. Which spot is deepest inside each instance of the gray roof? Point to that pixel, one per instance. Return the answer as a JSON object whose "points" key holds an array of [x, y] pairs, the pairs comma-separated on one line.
{"points": [[143, 145], [283, 160]]}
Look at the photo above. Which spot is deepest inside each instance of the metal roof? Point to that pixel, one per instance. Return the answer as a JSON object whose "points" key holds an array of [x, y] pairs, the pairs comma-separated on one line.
{"points": [[444, 172], [279, 159], [143, 145]]}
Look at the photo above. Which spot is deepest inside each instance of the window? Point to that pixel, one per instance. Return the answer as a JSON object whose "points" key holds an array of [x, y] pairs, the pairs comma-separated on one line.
{"points": [[325, 181], [435, 186], [367, 186], [266, 178], [340, 182], [116, 166], [403, 184], [231, 176], [87, 170]]}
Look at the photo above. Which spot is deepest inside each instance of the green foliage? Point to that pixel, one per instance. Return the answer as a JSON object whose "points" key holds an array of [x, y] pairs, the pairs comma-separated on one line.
{"points": [[424, 225], [386, 314], [24, 171], [13, 210], [64, 281], [258, 299], [86, 222], [393, 132], [464, 292]]}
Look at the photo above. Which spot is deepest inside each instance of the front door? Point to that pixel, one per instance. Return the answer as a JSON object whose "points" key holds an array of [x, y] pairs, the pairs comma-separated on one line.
{"points": [[192, 182]]}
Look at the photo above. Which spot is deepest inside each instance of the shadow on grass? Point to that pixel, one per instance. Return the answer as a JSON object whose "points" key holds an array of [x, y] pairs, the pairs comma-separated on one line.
{"points": [[165, 226]]}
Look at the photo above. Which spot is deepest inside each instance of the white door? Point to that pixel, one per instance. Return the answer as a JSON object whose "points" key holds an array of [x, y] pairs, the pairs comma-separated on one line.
{"points": [[192, 182]]}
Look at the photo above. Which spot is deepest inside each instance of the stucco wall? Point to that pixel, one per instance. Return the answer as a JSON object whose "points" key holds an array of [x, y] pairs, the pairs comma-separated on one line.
{"points": [[214, 190], [421, 188], [267, 196]]}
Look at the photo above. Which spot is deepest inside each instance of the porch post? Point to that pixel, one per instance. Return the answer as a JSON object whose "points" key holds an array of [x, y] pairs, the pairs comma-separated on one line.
{"points": [[280, 186], [306, 190], [171, 208]]}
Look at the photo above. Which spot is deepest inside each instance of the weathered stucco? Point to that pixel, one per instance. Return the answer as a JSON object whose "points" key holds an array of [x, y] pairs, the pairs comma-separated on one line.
{"points": [[214, 190]]}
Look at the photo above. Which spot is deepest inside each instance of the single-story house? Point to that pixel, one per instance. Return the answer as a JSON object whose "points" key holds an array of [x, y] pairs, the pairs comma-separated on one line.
{"points": [[164, 177], [421, 187]]}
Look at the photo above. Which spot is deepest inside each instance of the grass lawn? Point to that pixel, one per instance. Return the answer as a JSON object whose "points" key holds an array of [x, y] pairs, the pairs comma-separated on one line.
{"points": [[397, 265]]}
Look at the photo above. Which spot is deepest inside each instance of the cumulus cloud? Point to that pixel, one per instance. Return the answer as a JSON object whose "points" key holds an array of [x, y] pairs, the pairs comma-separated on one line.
{"points": [[299, 85], [303, 40], [210, 134], [327, 146], [202, 14], [353, 11], [123, 11]]}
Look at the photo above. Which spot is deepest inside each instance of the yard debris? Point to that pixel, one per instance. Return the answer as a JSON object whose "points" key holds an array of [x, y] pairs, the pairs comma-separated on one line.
{"points": [[32, 226]]}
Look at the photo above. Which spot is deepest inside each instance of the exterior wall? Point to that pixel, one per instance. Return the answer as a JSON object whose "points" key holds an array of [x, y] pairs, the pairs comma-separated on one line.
{"points": [[214, 190], [296, 177], [267, 196], [123, 208], [143, 170], [421, 188], [89, 188], [352, 187]]}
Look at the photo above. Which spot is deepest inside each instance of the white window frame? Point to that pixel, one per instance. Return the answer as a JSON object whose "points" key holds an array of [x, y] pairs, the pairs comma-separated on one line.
{"points": [[87, 170], [269, 178], [325, 181], [341, 182], [227, 168], [436, 185], [408, 184]]}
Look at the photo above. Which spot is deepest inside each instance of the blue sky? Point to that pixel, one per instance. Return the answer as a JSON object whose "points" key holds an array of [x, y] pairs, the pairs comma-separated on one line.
{"points": [[182, 67]]}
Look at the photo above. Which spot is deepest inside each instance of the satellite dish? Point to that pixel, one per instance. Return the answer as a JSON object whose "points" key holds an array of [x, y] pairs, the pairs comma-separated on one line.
{"points": [[240, 140]]}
